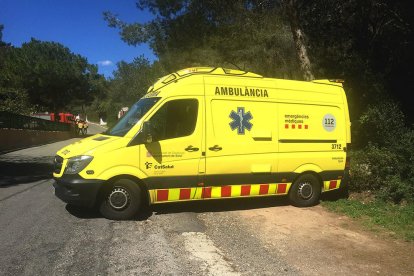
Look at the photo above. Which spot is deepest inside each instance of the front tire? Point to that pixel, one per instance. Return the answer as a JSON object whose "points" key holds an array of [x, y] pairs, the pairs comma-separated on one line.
{"points": [[305, 191], [122, 201]]}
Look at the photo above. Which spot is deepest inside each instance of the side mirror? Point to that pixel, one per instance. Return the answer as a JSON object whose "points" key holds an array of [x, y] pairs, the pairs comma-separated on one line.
{"points": [[146, 134]]}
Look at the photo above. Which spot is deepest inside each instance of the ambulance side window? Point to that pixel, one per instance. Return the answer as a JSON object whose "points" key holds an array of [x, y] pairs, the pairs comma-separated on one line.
{"points": [[176, 118]]}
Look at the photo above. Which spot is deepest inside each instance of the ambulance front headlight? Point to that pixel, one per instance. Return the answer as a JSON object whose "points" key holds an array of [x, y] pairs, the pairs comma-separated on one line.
{"points": [[77, 164]]}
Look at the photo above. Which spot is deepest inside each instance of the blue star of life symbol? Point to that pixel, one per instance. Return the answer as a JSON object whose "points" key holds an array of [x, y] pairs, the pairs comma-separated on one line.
{"points": [[240, 120]]}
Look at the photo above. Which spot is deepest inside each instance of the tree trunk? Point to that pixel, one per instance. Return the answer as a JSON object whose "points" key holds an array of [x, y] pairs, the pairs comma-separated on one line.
{"points": [[299, 39]]}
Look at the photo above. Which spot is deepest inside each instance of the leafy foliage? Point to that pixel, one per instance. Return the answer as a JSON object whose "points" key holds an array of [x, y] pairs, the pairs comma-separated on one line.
{"points": [[50, 75], [380, 124], [130, 83], [368, 43], [15, 100], [235, 34], [384, 162]]}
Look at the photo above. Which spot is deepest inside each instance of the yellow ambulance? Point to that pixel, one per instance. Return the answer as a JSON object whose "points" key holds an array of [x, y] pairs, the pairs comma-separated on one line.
{"points": [[209, 133]]}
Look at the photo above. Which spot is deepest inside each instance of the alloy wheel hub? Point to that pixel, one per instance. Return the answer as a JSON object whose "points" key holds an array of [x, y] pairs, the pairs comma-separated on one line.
{"points": [[118, 198], [305, 190]]}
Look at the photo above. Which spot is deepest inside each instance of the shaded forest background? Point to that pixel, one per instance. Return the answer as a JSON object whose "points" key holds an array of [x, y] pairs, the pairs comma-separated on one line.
{"points": [[368, 43]]}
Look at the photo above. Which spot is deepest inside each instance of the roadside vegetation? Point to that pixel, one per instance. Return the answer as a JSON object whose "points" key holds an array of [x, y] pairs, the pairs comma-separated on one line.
{"points": [[367, 43], [394, 220]]}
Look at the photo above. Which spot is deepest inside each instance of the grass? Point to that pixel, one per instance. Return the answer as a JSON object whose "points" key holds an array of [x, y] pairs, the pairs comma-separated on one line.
{"points": [[398, 220]]}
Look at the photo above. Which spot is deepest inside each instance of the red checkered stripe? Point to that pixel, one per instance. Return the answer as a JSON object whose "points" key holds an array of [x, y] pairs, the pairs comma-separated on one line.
{"points": [[174, 194], [296, 126], [332, 184]]}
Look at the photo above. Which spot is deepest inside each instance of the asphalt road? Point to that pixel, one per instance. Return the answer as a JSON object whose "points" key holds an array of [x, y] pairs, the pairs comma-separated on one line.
{"points": [[35, 163], [94, 128], [41, 235]]}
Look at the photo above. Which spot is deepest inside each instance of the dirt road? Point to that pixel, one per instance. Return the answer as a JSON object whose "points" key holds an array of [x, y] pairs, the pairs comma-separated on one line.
{"points": [[315, 241]]}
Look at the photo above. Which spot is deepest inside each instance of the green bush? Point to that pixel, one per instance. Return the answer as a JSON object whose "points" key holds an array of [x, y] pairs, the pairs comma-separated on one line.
{"points": [[370, 168], [381, 124], [16, 101], [379, 170], [384, 160], [396, 190]]}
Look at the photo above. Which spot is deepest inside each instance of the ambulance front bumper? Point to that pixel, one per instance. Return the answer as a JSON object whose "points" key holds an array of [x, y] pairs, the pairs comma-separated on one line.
{"points": [[76, 190]]}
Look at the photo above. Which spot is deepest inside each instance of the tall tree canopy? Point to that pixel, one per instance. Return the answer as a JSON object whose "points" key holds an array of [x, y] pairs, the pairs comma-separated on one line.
{"points": [[50, 74], [214, 33], [368, 43], [1, 33]]}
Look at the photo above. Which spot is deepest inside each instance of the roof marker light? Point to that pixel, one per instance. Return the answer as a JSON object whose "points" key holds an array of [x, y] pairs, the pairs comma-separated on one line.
{"points": [[337, 80]]}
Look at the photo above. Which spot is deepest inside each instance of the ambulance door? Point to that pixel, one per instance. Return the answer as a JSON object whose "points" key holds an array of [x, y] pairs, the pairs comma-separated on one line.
{"points": [[172, 160], [241, 147]]}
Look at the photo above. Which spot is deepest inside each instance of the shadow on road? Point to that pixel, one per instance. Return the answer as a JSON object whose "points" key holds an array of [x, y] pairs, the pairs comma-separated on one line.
{"points": [[93, 213], [335, 195], [83, 212], [223, 205], [14, 172]]}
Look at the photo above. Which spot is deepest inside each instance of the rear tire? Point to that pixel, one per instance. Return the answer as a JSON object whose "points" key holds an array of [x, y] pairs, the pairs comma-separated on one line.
{"points": [[305, 191], [122, 201]]}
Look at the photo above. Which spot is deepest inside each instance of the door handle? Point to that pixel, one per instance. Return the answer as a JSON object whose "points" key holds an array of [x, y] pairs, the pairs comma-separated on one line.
{"points": [[215, 148], [190, 148]]}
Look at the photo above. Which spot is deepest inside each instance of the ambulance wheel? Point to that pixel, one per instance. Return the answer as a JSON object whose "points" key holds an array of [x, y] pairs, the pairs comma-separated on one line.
{"points": [[121, 201], [305, 191]]}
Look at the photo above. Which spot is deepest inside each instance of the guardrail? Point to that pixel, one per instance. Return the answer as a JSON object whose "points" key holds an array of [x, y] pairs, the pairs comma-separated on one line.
{"points": [[17, 121]]}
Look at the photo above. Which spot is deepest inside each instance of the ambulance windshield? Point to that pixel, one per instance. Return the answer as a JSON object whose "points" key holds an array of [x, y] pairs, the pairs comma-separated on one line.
{"points": [[134, 114]]}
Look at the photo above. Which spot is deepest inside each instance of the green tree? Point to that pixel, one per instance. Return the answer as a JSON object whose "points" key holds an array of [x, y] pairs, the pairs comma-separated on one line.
{"points": [[130, 82], [241, 34], [368, 43], [51, 74], [15, 100], [4, 48], [11, 99], [1, 35]]}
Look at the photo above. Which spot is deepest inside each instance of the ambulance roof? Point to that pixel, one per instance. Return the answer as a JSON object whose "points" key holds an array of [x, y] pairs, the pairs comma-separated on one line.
{"points": [[218, 71], [199, 71]]}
